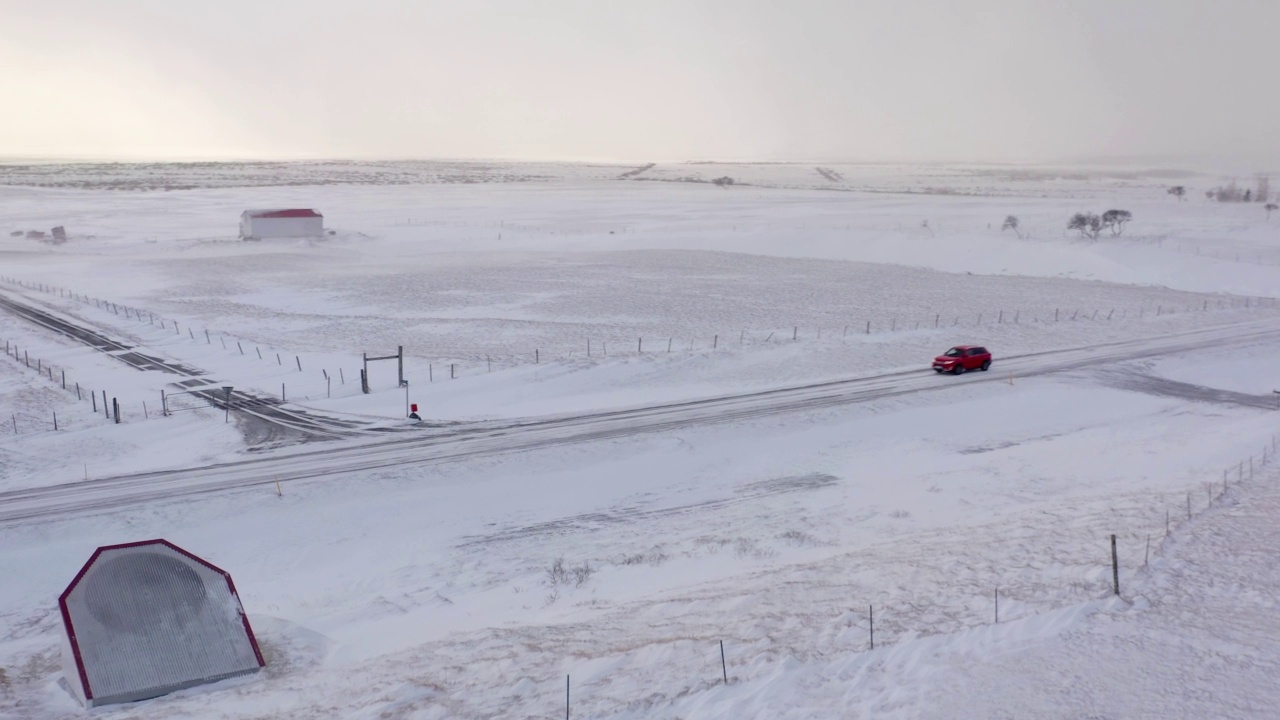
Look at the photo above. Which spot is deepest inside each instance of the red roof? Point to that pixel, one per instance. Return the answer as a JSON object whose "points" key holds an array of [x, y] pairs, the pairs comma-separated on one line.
{"points": [[70, 626], [296, 213]]}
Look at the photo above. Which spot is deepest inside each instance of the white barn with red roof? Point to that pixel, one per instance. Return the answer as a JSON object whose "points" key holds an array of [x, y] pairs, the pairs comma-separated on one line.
{"points": [[281, 223]]}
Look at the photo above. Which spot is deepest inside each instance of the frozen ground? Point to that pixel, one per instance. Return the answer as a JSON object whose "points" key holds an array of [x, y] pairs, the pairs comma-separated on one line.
{"points": [[428, 589], [431, 591], [1194, 636]]}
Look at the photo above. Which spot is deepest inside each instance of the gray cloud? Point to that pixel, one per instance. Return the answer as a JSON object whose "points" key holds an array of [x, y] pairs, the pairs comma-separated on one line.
{"points": [[911, 79]]}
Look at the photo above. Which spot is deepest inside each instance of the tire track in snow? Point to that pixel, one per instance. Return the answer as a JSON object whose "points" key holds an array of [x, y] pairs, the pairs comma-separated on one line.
{"points": [[268, 410], [493, 438]]}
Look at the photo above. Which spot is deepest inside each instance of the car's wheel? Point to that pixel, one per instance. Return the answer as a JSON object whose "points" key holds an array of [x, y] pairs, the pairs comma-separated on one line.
{"points": [[986, 365], [959, 368]]}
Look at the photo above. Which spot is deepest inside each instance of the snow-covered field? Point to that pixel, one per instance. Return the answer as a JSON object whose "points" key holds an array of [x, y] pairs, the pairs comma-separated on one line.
{"points": [[431, 590]]}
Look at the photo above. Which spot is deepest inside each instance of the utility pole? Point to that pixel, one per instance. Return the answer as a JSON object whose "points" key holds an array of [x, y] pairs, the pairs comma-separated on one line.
{"points": [[227, 389]]}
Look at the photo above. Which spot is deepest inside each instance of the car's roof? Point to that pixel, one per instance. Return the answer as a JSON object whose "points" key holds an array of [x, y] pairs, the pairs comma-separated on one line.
{"points": [[965, 347]]}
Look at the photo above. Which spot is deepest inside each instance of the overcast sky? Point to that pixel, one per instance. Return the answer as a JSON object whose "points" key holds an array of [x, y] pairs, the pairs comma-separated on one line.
{"points": [[643, 79]]}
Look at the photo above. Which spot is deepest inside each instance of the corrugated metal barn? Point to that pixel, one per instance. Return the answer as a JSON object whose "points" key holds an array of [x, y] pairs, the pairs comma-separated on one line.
{"points": [[283, 223], [148, 618]]}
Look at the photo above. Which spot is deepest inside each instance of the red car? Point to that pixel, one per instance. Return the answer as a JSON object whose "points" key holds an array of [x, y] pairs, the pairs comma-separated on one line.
{"points": [[962, 358]]}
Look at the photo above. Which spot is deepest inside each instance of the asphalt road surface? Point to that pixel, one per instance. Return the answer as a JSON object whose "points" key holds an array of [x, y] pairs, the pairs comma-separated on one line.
{"points": [[480, 439], [267, 420]]}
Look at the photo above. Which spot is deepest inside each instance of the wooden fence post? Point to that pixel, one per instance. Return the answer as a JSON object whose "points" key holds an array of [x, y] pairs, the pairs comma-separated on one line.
{"points": [[1115, 565], [724, 669]]}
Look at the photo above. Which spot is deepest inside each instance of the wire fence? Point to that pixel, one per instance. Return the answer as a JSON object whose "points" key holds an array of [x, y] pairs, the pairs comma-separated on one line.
{"points": [[1180, 510], [1118, 565], [311, 381], [97, 399]]}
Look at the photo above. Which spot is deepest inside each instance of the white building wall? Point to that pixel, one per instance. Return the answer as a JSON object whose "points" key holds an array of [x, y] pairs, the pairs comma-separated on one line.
{"points": [[284, 227]]}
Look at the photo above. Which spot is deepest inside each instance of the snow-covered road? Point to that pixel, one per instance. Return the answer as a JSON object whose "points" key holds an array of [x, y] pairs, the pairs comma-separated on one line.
{"points": [[493, 438], [194, 381]]}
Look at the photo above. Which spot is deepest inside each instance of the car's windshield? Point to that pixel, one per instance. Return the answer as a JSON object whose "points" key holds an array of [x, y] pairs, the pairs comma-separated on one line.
{"points": [[953, 352]]}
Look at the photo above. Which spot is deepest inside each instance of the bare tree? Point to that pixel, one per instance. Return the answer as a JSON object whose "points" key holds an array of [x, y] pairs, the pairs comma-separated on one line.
{"points": [[1269, 207], [1230, 192], [1177, 191], [1088, 224], [1011, 223], [1263, 193], [1115, 219]]}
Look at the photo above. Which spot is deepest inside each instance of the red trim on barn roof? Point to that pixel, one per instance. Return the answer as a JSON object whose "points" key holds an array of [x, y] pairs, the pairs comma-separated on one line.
{"points": [[158, 541], [244, 618], [66, 614], [295, 213], [71, 630], [75, 645]]}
